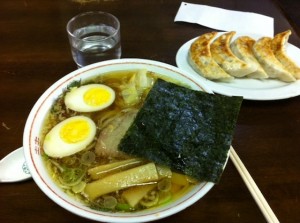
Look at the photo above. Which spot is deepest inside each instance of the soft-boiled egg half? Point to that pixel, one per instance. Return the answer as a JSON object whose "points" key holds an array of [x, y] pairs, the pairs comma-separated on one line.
{"points": [[69, 136], [90, 98]]}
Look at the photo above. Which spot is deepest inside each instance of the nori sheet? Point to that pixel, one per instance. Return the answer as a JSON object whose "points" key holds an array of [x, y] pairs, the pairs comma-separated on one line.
{"points": [[189, 131]]}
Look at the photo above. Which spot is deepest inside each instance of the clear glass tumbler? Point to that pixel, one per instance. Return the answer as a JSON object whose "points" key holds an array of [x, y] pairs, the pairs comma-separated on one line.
{"points": [[94, 37]]}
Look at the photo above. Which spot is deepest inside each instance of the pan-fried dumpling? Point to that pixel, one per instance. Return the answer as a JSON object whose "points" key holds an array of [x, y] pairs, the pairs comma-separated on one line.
{"points": [[201, 60], [242, 48], [278, 47], [265, 56], [222, 54]]}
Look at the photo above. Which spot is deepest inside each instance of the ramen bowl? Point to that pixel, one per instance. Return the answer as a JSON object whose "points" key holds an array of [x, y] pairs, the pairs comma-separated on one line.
{"points": [[32, 143]]}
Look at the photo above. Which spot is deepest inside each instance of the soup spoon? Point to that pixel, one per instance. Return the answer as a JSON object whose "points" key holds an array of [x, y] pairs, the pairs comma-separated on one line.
{"points": [[13, 167]]}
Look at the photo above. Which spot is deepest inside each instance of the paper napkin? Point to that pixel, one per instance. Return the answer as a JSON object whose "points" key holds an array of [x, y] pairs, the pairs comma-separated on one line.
{"points": [[226, 20]]}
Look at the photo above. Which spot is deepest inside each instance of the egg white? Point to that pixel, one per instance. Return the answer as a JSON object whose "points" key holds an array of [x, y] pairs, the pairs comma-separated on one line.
{"points": [[75, 101], [55, 146]]}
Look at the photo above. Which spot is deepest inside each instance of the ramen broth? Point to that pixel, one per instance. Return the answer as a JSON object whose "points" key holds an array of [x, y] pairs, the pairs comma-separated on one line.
{"points": [[76, 173]]}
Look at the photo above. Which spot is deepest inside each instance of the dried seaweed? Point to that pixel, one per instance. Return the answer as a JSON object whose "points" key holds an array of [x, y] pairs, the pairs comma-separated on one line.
{"points": [[187, 130]]}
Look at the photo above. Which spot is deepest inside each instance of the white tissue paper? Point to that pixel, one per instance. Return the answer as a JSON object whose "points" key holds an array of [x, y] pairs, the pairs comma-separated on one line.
{"points": [[226, 20]]}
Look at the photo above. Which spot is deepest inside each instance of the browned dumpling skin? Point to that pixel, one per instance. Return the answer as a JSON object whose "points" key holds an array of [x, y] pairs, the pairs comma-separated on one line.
{"points": [[278, 47], [222, 54], [201, 60], [242, 48], [263, 52]]}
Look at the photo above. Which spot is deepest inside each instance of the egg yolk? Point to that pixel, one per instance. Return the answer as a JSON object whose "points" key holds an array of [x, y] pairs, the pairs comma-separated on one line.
{"points": [[75, 131], [96, 96]]}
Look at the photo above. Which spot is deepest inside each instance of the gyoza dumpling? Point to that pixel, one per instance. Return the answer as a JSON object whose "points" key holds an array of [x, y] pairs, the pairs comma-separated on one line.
{"points": [[201, 60], [265, 56], [278, 47], [222, 54], [242, 48]]}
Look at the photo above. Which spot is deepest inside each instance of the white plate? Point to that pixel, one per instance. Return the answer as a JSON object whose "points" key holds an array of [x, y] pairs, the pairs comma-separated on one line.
{"points": [[250, 89]]}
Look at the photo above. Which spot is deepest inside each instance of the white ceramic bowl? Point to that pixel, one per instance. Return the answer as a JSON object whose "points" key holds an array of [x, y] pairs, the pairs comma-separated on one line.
{"points": [[32, 142]]}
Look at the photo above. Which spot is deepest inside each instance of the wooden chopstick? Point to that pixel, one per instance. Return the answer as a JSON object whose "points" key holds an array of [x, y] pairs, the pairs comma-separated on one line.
{"points": [[254, 190]]}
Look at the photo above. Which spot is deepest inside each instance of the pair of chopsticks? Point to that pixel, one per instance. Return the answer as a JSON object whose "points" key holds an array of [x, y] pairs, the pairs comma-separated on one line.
{"points": [[254, 190]]}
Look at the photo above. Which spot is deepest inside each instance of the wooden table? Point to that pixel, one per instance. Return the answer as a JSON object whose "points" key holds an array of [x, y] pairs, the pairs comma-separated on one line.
{"points": [[35, 52]]}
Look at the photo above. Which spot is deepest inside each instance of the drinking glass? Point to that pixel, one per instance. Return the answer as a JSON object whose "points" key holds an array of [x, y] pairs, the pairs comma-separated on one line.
{"points": [[94, 37]]}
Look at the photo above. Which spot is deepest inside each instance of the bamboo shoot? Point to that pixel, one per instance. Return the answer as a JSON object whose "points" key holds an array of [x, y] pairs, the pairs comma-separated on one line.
{"points": [[111, 168], [128, 178], [133, 195]]}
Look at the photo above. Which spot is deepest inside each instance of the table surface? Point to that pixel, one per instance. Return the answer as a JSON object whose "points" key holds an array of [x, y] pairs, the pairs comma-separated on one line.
{"points": [[35, 52]]}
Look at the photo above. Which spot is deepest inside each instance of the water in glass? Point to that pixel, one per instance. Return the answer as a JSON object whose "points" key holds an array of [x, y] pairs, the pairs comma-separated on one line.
{"points": [[95, 44]]}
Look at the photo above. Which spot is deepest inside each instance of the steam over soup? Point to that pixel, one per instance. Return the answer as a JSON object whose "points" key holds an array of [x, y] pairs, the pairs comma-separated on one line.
{"points": [[87, 164]]}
